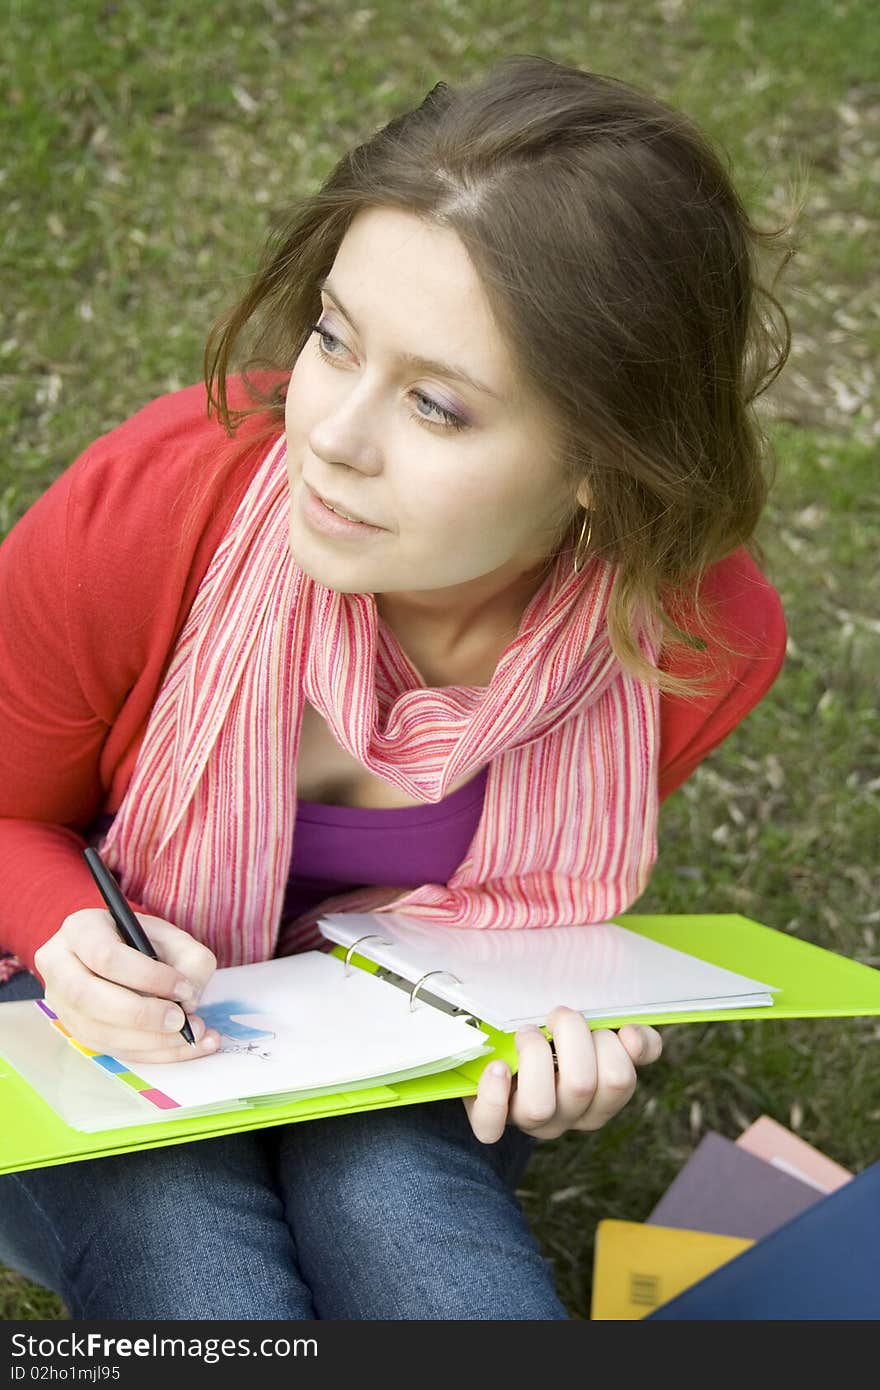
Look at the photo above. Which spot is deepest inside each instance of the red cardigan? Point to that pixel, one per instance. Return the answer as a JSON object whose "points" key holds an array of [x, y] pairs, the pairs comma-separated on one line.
{"points": [[96, 580]]}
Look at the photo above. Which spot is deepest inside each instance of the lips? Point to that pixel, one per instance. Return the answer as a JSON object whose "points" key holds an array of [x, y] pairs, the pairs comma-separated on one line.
{"points": [[340, 510]]}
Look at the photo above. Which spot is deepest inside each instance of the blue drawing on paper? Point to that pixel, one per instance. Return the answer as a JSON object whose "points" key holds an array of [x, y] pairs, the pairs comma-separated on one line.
{"points": [[228, 1017], [220, 1016]]}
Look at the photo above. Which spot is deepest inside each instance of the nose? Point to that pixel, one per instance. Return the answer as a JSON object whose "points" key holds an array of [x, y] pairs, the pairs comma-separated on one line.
{"points": [[347, 430]]}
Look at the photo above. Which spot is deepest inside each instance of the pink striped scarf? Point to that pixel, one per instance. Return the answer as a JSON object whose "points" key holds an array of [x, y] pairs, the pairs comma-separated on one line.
{"points": [[204, 834]]}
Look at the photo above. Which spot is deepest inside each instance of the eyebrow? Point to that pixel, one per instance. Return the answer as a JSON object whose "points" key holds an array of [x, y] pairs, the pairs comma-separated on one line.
{"points": [[411, 359]]}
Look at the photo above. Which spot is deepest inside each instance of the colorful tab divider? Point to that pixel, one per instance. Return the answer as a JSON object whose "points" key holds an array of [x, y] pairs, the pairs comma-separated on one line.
{"points": [[113, 1065]]}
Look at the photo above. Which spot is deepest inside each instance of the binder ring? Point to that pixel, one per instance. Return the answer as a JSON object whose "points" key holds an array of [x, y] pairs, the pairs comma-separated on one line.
{"points": [[418, 984], [348, 955]]}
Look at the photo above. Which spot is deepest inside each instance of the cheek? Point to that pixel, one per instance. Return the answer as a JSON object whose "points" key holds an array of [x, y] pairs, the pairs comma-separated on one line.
{"points": [[452, 507], [488, 503], [295, 417], [441, 505]]}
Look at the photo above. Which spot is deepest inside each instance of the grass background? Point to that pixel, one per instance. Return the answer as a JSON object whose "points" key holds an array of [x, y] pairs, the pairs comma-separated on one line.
{"points": [[145, 147]]}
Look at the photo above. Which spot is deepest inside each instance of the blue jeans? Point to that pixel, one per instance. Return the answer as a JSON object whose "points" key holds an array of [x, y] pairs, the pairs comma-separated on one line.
{"points": [[389, 1214]]}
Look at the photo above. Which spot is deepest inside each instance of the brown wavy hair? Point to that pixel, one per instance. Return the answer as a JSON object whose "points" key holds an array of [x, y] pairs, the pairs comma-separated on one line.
{"points": [[623, 271]]}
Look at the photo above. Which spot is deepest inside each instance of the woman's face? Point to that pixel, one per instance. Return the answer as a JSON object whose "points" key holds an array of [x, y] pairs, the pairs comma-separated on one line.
{"points": [[465, 513]]}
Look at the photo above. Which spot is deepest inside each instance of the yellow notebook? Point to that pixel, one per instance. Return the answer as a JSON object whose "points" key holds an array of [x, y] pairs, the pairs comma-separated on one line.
{"points": [[637, 1267]]}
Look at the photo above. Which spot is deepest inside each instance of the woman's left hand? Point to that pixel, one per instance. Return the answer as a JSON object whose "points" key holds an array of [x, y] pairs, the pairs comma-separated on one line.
{"points": [[596, 1077]]}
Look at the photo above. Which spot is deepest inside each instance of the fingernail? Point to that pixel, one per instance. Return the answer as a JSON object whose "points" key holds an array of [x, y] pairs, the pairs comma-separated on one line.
{"points": [[186, 992], [498, 1069], [174, 1020]]}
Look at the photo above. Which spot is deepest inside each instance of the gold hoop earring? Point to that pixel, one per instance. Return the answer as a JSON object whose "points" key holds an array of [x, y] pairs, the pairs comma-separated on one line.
{"points": [[577, 550]]}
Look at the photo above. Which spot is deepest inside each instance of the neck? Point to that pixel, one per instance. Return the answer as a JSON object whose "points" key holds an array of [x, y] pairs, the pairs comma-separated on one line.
{"points": [[450, 619]]}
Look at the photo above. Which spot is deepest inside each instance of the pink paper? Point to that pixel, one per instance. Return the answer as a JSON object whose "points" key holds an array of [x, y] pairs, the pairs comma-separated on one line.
{"points": [[790, 1154]]}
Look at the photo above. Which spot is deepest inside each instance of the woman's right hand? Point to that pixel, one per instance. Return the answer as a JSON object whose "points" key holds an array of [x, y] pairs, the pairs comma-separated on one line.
{"points": [[114, 999]]}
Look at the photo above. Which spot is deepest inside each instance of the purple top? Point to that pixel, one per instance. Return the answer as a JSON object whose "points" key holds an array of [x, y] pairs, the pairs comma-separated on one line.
{"points": [[339, 848]]}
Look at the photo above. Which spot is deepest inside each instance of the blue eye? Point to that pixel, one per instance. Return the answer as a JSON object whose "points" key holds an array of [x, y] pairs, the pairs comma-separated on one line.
{"points": [[447, 419], [323, 337]]}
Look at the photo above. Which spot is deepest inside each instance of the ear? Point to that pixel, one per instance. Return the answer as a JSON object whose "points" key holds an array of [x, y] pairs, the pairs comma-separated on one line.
{"points": [[584, 497]]}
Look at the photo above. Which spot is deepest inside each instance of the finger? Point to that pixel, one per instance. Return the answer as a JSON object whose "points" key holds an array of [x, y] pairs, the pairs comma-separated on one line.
{"points": [[534, 1102], [643, 1044], [130, 1047], [192, 959], [103, 1004], [139, 1047], [487, 1110], [578, 1074], [616, 1083], [207, 1043], [107, 955]]}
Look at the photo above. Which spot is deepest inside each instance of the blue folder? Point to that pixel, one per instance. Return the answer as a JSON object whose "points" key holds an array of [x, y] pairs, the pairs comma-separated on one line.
{"points": [[823, 1264]]}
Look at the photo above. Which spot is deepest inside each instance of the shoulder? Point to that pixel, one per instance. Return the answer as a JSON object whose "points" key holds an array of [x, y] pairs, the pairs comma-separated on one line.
{"points": [[149, 501], [130, 528], [158, 459], [744, 610], [743, 607]]}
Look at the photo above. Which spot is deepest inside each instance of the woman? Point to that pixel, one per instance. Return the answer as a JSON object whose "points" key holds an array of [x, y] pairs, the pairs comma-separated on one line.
{"points": [[514, 337]]}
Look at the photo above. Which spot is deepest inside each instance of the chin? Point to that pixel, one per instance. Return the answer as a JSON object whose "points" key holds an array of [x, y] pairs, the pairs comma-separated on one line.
{"points": [[320, 573]]}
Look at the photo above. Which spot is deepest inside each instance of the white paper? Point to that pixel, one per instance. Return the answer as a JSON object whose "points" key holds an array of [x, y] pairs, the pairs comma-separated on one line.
{"points": [[510, 978], [300, 1023], [83, 1094]]}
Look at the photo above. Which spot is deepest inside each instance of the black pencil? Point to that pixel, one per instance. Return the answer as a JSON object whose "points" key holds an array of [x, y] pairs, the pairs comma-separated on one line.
{"points": [[127, 923]]}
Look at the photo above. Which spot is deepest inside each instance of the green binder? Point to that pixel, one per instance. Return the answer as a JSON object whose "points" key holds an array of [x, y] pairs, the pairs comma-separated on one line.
{"points": [[813, 983]]}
